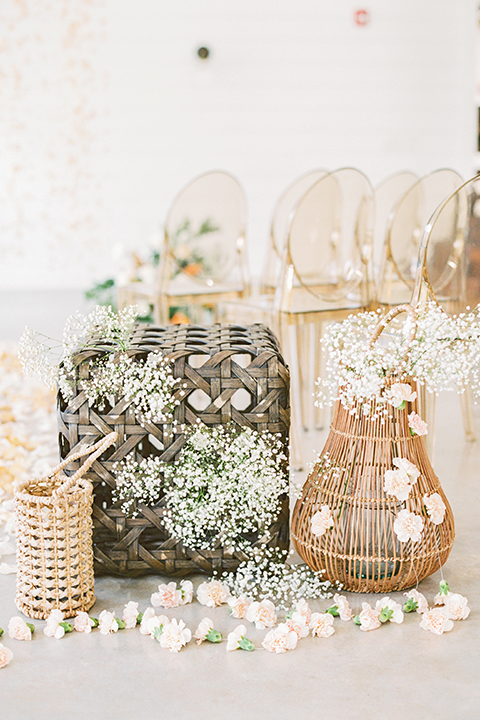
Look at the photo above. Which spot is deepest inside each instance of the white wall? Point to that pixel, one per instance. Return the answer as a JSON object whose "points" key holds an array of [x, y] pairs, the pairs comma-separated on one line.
{"points": [[290, 85]]}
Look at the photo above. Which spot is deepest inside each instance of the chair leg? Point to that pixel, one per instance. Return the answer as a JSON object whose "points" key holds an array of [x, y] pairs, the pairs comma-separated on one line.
{"points": [[288, 342], [466, 406], [303, 353], [426, 407], [319, 372]]}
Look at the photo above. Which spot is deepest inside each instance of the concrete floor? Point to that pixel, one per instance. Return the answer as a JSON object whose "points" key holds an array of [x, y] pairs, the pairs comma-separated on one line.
{"points": [[398, 671]]}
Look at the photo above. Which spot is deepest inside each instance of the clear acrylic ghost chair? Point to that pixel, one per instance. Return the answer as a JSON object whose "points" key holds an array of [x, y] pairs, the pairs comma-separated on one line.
{"points": [[387, 194], [258, 307], [279, 227], [449, 268], [327, 271], [203, 261], [404, 233]]}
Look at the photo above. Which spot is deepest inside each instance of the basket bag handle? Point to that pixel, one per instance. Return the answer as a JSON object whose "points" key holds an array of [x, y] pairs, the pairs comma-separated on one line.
{"points": [[412, 316], [93, 451]]}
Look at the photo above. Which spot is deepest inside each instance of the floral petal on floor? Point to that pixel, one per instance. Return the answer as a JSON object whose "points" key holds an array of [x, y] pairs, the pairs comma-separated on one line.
{"points": [[28, 440]]}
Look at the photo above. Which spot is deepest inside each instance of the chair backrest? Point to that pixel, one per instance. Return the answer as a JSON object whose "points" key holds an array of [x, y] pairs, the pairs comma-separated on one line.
{"points": [[449, 256], [330, 235], [279, 227], [387, 195], [205, 230], [404, 234]]}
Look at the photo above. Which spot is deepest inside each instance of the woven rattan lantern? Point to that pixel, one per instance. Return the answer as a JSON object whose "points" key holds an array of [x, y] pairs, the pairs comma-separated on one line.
{"points": [[362, 548], [54, 538]]}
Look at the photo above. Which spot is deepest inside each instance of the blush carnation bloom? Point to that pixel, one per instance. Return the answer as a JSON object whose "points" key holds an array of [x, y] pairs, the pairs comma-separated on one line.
{"points": [[167, 596], [213, 593], [435, 507], [233, 639], [202, 630], [368, 618], [303, 608], [397, 483], [322, 625], [18, 629], [152, 622], [186, 589], [321, 521], [130, 614], [408, 467], [436, 621], [408, 526], [175, 635], [420, 599], [146, 618], [280, 639], [53, 627], [416, 424], [396, 608], [83, 622], [5, 655], [263, 614], [344, 609], [107, 622], [239, 606], [456, 607], [298, 624], [400, 393]]}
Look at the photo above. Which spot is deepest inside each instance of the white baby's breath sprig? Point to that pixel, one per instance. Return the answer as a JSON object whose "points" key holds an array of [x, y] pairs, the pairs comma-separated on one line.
{"points": [[226, 484], [148, 384], [268, 575], [444, 355]]}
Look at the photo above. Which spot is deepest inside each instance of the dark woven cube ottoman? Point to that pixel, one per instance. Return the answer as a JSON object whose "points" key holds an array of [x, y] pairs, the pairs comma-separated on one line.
{"points": [[232, 374]]}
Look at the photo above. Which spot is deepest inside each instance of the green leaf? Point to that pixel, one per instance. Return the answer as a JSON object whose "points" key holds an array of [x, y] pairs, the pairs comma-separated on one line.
{"points": [[400, 407], [121, 623], [95, 622], [444, 588], [31, 627], [385, 615], [157, 632], [289, 614], [213, 636], [66, 626], [356, 620], [246, 644], [333, 611], [412, 432], [1, 632], [410, 606], [139, 618]]}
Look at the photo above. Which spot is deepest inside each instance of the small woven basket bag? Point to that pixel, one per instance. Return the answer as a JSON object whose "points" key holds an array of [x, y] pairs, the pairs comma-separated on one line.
{"points": [[54, 538]]}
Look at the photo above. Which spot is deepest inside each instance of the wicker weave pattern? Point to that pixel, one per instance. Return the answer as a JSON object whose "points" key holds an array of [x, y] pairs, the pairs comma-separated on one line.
{"points": [[219, 360], [54, 541], [362, 551]]}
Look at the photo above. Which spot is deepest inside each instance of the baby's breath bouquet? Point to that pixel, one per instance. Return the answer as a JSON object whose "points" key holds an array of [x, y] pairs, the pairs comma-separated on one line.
{"points": [[148, 384], [226, 484], [444, 354]]}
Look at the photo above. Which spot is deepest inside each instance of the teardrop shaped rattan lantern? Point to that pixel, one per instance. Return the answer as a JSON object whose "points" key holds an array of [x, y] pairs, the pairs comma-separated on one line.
{"points": [[358, 545]]}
